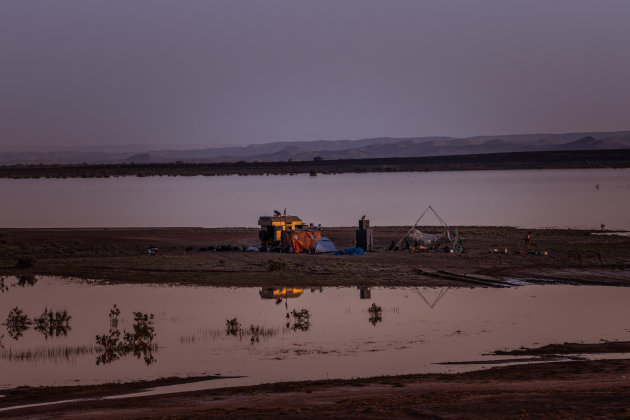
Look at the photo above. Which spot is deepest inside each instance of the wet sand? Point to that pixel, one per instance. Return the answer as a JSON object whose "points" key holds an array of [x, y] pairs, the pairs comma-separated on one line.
{"points": [[588, 389], [120, 255]]}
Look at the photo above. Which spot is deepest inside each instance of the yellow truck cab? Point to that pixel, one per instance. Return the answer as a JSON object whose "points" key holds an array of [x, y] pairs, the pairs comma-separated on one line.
{"points": [[271, 228]]}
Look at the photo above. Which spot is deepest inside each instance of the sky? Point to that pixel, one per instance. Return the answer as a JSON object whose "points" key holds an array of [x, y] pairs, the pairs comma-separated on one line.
{"points": [[87, 74]]}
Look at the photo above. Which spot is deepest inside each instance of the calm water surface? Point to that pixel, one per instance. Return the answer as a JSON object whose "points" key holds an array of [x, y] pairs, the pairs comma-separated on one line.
{"points": [[527, 198], [414, 330]]}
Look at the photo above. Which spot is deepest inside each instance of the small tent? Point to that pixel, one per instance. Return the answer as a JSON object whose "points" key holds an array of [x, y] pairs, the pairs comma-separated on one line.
{"points": [[324, 245]]}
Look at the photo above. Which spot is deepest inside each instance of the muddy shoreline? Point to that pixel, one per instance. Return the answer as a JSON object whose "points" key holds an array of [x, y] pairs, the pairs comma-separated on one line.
{"points": [[28, 395], [120, 255], [34, 395], [581, 389]]}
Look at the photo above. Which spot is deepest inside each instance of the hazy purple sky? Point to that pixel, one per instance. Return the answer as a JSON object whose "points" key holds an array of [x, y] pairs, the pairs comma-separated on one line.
{"points": [[238, 72]]}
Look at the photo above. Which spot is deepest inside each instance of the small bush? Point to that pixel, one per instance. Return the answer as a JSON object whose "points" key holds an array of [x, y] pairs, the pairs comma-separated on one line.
{"points": [[26, 280], [376, 314], [17, 322], [25, 262], [233, 327], [301, 320]]}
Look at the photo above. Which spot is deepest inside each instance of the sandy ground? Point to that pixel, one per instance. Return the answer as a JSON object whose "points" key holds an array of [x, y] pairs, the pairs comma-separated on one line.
{"points": [[581, 389], [119, 255]]}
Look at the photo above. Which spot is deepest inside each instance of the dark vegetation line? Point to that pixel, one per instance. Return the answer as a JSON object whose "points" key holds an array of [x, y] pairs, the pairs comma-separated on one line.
{"points": [[617, 158]]}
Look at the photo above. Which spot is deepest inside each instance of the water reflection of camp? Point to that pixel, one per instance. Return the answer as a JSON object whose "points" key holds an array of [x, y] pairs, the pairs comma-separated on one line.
{"points": [[280, 292], [431, 303], [365, 292]]}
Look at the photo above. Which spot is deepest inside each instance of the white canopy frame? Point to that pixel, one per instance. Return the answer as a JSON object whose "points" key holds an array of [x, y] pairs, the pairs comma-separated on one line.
{"points": [[437, 216]]}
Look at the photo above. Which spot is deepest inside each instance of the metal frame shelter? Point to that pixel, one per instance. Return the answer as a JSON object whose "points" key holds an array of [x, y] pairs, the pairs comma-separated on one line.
{"points": [[437, 216]]}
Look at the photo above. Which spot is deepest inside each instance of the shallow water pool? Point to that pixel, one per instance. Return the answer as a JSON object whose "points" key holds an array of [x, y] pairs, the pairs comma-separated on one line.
{"points": [[277, 334]]}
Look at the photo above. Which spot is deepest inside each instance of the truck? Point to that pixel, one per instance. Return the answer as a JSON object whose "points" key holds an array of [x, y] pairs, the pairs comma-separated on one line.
{"points": [[287, 233]]}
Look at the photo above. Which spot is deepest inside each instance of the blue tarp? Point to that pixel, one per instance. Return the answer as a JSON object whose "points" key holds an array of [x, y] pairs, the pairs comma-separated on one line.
{"points": [[350, 251]]}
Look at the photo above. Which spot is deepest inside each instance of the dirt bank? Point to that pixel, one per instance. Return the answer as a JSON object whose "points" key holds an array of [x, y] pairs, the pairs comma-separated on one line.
{"points": [[572, 348], [120, 255], [35, 395], [593, 389]]}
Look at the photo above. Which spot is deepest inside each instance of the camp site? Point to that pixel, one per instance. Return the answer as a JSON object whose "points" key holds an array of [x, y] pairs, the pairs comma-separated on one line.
{"points": [[286, 233], [316, 209]]}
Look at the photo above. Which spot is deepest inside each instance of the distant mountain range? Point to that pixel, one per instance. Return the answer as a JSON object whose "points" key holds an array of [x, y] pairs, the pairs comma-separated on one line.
{"points": [[380, 147]]}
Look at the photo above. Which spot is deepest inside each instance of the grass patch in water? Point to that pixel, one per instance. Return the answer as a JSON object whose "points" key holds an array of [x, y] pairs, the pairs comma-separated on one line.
{"points": [[58, 354], [204, 334], [233, 328]]}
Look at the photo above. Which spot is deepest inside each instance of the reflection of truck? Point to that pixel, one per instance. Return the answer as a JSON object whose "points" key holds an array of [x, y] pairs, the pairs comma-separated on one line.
{"points": [[280, 292], [287, 232]]}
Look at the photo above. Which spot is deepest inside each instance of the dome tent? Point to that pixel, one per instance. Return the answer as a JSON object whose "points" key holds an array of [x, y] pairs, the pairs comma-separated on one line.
{"points": [[324, 245]]}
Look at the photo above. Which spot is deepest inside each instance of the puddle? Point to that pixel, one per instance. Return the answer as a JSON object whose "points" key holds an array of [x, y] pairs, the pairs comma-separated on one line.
{"points": [[281, 334]]}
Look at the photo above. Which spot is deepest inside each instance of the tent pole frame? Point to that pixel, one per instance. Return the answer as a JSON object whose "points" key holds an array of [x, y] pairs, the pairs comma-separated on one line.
{"points": [[411, 229]]}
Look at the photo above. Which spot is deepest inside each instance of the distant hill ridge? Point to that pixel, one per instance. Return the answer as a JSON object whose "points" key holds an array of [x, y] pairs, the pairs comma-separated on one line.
{"points": [[379, 147]]}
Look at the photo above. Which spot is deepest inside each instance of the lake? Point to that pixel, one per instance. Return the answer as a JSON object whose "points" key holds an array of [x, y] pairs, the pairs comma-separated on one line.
{"points": [[271, 334], [583, 198]]}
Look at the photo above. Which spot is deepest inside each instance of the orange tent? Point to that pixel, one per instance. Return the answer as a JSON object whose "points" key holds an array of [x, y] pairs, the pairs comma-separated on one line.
{"points": [[300, 240]]}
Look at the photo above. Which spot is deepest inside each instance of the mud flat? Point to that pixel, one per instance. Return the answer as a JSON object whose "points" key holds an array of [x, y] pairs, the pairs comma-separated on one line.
{"points": [[586, 389], [120, 255]]}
